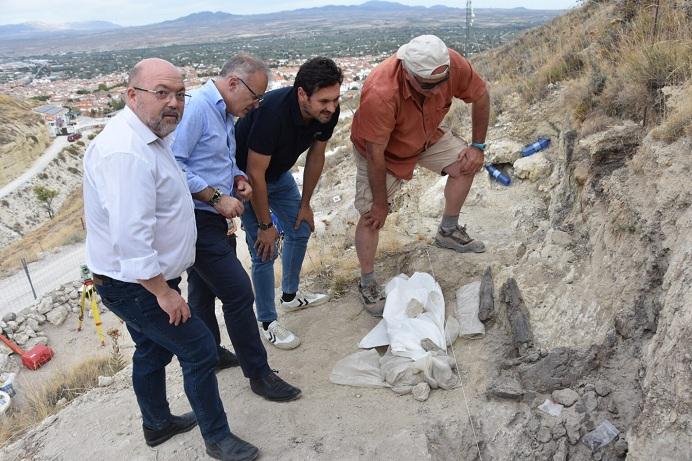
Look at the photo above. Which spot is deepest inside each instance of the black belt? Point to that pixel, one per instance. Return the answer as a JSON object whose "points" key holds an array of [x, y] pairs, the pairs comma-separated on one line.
{"points": [[100, 279]]}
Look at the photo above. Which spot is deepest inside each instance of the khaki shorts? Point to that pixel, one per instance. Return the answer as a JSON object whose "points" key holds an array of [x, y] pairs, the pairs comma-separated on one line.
{"points": [[436, 158]]}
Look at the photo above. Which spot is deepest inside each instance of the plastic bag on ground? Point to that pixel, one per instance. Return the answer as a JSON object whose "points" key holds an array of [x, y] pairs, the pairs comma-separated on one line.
{"points": [[408, 296], [399, 371], [451, 330], [468, 300], [551, 408], [360, 369], [437, 371], [376, 337], [601, 436], [402, 372]]}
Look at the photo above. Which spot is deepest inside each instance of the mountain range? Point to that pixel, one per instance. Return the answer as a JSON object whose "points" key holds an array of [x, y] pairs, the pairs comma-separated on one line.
{"points": [[204, 27], [40, 29]]}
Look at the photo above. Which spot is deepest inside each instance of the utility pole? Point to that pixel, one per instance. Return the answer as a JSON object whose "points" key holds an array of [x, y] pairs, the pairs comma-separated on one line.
{"points": [[469, 22]]}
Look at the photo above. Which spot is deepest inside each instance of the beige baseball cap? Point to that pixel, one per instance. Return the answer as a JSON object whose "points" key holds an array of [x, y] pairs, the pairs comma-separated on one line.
{"points": [[423, 55]]}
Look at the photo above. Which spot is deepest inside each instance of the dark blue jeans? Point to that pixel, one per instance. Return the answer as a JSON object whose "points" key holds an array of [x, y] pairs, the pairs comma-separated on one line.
{"points": [[217, 273], [156, 341]]}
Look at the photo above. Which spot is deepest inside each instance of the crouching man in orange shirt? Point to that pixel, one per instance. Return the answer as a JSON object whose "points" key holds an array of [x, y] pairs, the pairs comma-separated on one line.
{"points": [[396, 127]]}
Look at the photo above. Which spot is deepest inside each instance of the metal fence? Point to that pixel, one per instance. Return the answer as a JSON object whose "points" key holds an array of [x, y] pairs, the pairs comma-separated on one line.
{"points": [[23, 288]]}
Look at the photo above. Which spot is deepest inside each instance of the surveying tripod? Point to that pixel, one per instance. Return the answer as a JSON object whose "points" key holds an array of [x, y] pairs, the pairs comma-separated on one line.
{"points": [[89, 293]]}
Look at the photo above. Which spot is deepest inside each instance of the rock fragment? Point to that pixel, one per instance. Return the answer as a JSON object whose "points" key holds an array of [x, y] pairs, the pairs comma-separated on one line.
{"points": [[486, 310], [566, 397], [506, 387], [518, 317], [421, 392]]}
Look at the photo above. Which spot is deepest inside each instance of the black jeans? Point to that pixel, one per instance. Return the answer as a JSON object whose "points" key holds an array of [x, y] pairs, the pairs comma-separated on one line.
{"points": [[217, 273]]}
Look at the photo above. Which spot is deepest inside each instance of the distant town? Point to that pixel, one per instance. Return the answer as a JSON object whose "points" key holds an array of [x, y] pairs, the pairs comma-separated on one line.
{"points": [[67, 88], [64, 100]]}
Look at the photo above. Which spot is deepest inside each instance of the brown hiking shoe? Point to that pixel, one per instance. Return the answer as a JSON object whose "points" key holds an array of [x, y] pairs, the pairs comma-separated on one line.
{"points": [[373, 298], [458, 240]]}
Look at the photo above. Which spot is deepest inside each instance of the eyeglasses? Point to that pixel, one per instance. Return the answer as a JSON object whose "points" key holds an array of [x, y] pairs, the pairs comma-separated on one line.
{"points": [[257, 97], [163, 95], [430, 86]]}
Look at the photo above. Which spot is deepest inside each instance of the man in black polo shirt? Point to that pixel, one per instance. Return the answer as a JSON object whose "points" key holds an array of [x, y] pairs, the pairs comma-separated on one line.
{"points": [[269, 141]]}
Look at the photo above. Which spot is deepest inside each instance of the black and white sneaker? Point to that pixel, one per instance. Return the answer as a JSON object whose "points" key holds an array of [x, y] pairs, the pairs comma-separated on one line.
{"points": [[303, 300], [280, 336]]}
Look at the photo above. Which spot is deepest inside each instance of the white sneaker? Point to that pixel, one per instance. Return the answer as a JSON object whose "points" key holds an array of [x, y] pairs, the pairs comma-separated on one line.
{"points": [[280, 336], [303, 300]]}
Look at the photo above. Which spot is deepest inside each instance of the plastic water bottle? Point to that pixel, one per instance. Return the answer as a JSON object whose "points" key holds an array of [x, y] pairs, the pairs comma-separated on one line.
{"points": [[7, 384], [277, 224], [539, 145], [498, 175]]}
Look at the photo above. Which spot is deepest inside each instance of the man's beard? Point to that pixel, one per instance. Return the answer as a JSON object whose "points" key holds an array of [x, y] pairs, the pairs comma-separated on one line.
{"points": [[160, 124], [163, 125]]}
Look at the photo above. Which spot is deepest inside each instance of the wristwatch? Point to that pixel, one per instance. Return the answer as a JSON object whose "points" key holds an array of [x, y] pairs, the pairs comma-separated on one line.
{"points": [[479, 145], [215, 198], [263, 226]]}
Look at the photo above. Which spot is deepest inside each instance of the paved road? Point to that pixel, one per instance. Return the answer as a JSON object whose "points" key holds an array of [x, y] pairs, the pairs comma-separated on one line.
{"points": [[62, 267], [53, 150], [46, 275]]}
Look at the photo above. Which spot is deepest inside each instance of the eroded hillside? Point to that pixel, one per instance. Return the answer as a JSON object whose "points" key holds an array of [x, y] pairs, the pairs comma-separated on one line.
{"points": [[23, 137]]}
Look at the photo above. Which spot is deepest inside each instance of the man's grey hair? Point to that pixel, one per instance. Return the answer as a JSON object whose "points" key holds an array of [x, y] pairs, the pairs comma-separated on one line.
{"points": [[244, 65]]}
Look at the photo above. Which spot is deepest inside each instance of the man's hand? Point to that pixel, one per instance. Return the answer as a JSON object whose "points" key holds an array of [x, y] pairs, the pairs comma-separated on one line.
{"points": [[229, 207], [470, 162], [305, 214], [175, 306], [264, 245], [243, 189], [376, 217]]}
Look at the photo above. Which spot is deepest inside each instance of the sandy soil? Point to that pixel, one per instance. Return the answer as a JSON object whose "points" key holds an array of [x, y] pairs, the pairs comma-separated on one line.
{"points": [[329, 421]]}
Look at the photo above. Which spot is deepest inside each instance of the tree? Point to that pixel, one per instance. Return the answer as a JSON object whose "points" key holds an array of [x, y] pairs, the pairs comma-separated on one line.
{"points": [[116, 104], [46, 197]]}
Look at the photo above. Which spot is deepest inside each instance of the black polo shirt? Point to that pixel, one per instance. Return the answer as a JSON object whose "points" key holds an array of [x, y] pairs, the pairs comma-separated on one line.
{"points": [[276, 128]]}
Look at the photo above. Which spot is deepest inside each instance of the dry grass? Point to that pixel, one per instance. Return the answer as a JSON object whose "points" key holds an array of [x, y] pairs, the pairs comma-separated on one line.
{"points": [[65, 228], [458, 119], [23, 137], [679, 122], [499, 93], [332, 261], [612, 56], [595, 123], [41, 402]]}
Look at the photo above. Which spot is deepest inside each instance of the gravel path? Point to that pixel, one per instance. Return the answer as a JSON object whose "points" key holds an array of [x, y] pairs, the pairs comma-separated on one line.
{"points": [[53, 150]]}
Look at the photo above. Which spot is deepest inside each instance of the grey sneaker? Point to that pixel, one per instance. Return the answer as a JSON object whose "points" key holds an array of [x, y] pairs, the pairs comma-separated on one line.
{"points": [[458, 240], [373, 298], [280, 336]]}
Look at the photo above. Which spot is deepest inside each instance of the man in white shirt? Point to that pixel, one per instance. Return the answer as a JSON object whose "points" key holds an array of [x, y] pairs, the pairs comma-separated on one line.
{"points": [[140, 238]]}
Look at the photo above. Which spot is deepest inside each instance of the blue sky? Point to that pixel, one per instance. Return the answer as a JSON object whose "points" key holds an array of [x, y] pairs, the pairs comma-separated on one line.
{"points": [[137, 12]]}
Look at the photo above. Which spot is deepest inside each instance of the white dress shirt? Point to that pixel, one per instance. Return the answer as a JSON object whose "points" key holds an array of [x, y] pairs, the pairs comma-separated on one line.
{"points": [[139, 213]]}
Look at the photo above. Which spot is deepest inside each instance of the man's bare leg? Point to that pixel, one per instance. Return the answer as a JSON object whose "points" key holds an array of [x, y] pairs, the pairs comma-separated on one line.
{"points": [[456, 191], [371, 292], [367, 239]]}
